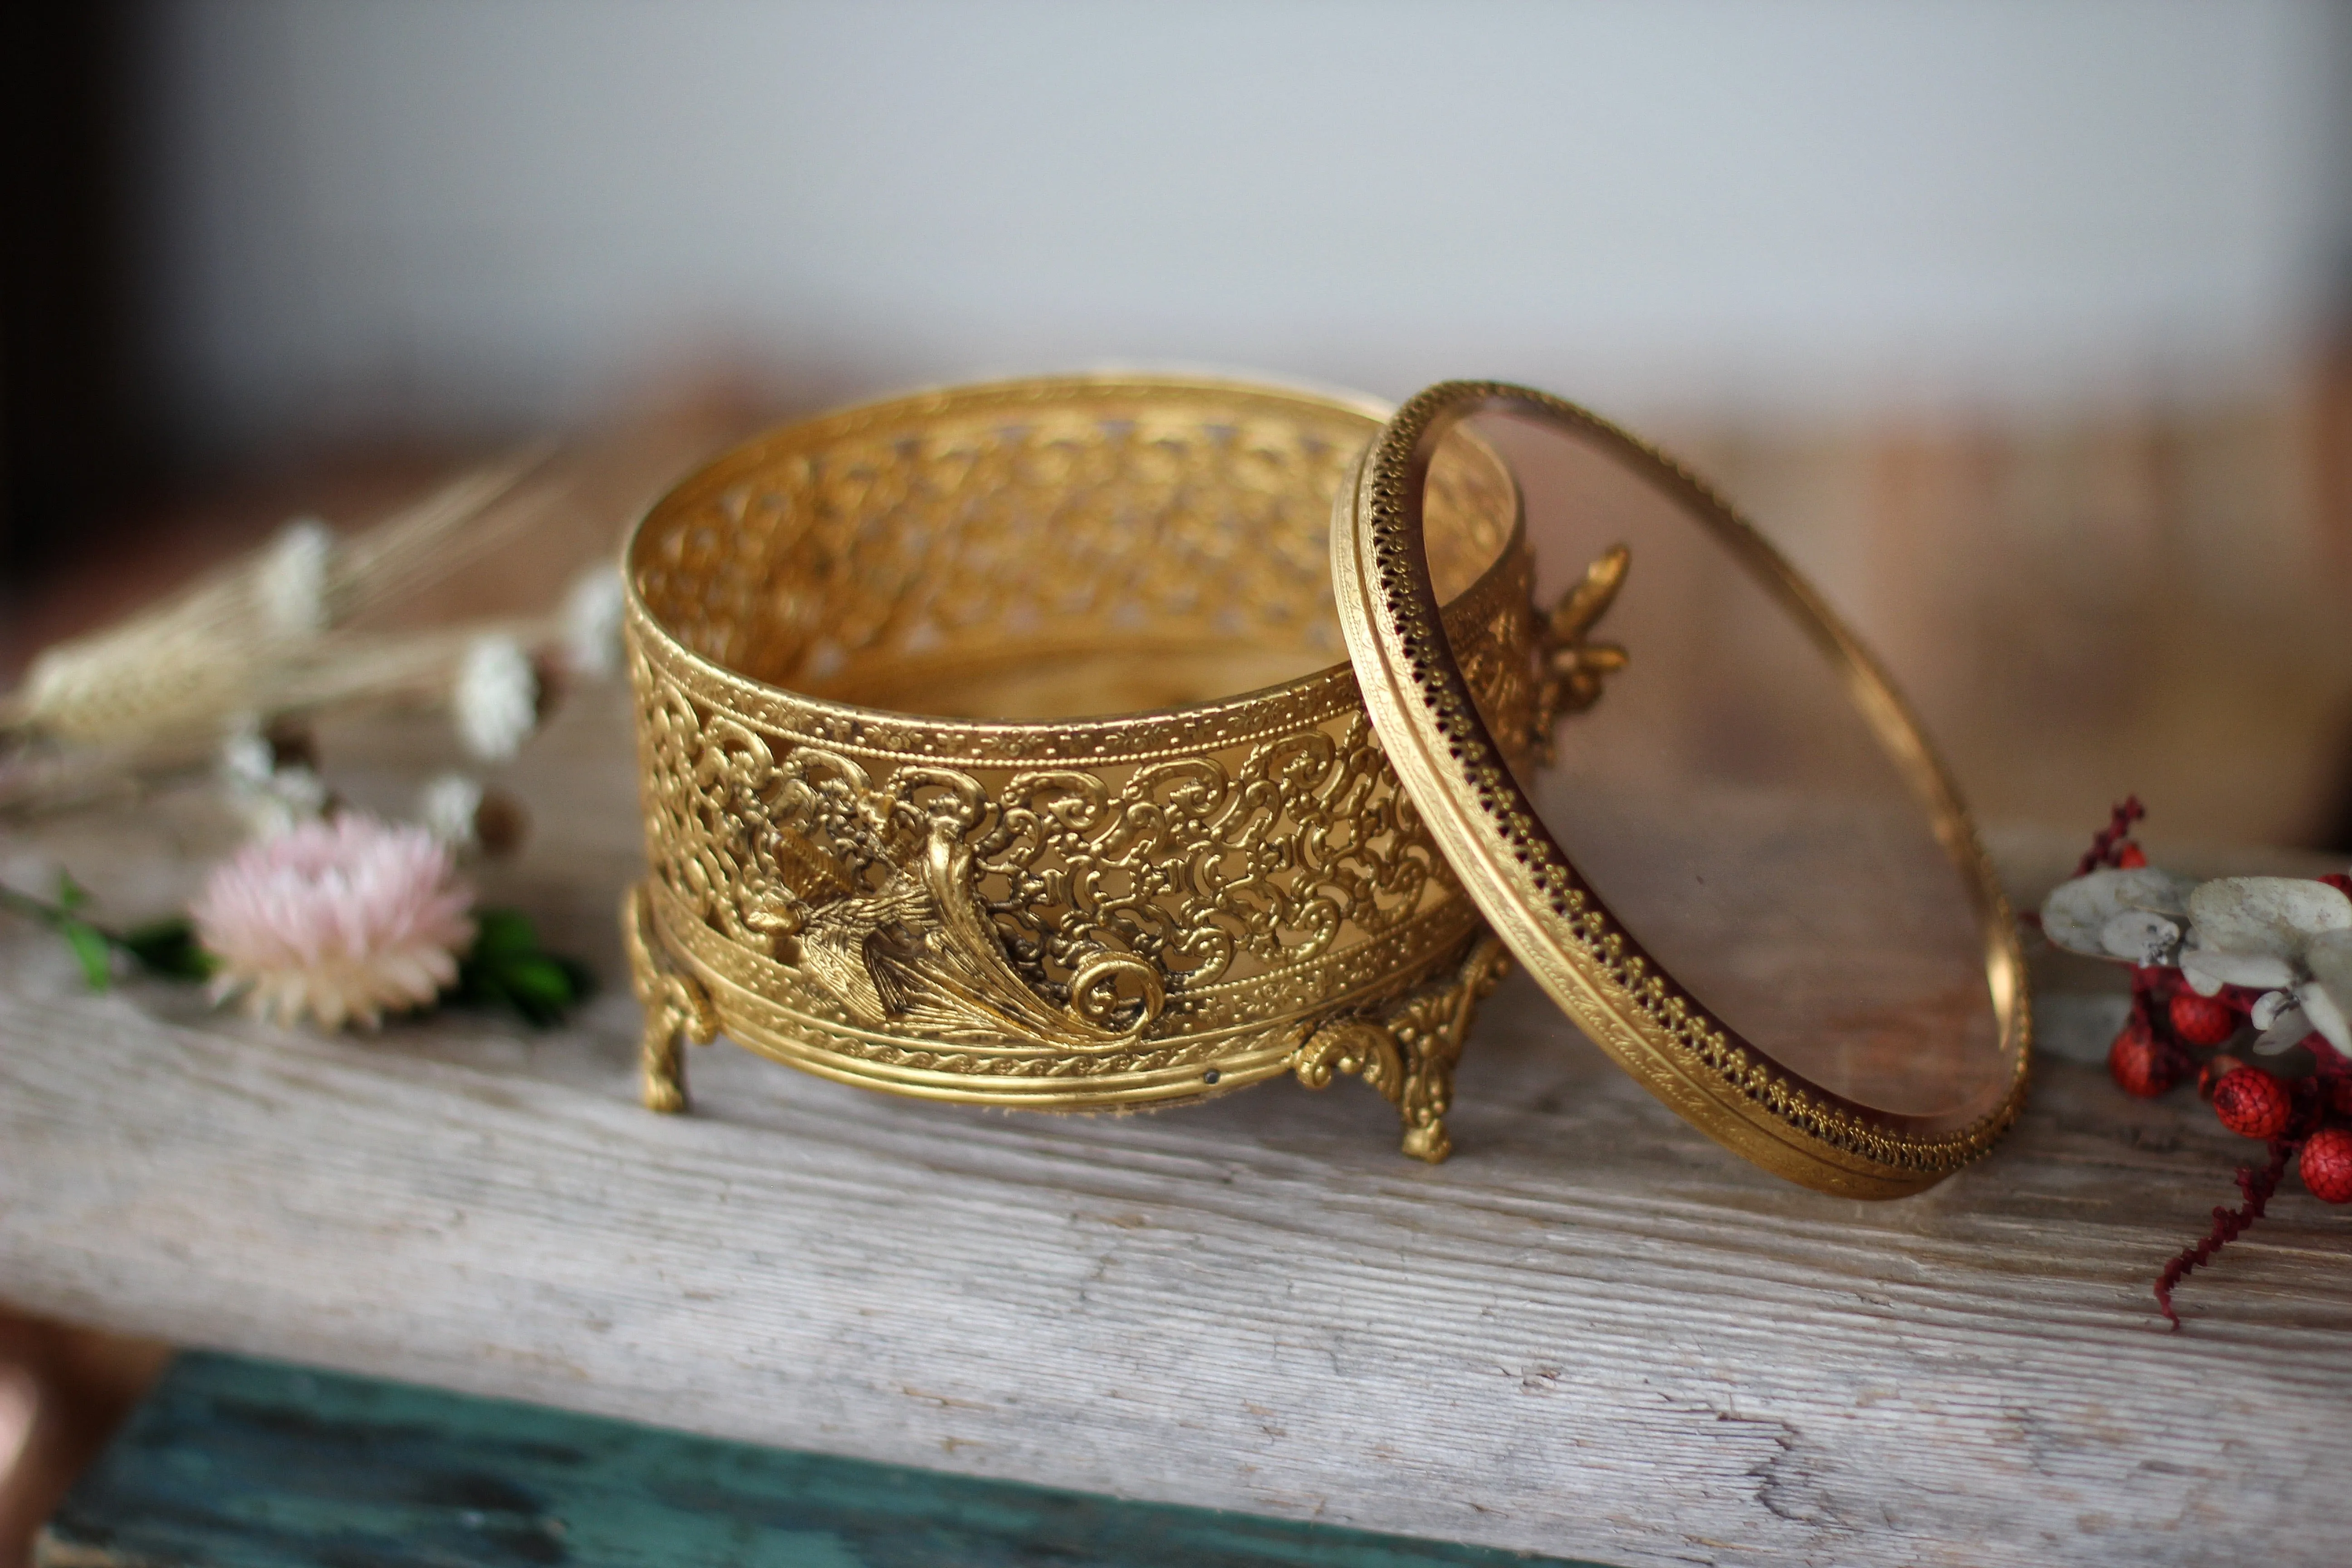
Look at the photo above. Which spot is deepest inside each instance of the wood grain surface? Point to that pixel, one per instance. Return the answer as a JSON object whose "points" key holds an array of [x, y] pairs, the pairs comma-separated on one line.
{"points": [[1591, 1333]]}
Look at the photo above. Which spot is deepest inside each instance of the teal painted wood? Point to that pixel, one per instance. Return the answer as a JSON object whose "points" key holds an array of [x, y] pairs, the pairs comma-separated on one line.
{"points": [[244, 1464]]}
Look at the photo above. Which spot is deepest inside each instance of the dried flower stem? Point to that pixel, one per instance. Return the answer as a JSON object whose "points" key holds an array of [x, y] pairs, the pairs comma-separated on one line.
{"points": [[2106, 844], [166, 947], [286, 630], [2256, 1187]]}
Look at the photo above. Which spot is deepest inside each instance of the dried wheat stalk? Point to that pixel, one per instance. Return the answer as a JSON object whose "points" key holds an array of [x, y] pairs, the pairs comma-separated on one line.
{"points": [[271, 638]]}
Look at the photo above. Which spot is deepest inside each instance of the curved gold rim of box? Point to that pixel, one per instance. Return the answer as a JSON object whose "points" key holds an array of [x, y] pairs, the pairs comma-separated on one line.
{"points": [[1551, 919], [1390, 1001]]}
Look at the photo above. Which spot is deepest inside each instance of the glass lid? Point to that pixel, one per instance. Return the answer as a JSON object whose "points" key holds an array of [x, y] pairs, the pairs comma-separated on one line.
{"points": [[1744, 874]]}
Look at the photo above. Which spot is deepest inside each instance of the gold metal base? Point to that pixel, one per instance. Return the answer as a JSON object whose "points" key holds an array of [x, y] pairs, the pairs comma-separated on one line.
{"points": [[1406, 1049]]}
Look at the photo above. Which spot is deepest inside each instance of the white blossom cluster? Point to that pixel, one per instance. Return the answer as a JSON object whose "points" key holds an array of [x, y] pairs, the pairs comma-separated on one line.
{"points": [[273, 797], [2289, 938], [497, 698]]}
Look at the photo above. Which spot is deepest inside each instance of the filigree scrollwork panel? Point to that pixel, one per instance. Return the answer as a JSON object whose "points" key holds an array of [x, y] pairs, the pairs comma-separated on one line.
{"points": [[1051, 910]]}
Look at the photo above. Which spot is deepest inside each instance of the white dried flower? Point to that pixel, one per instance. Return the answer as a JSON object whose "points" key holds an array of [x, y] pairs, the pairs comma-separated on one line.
{"points": [[448, 807], [2287, 937], [270, 797], [247, 758], [340, 921], [2290, 938], [592, 622], [496, 699], [292, 585], [2140, 915]]}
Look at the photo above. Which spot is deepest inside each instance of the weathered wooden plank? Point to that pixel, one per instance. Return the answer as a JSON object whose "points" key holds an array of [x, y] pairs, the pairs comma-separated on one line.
{"points": [[241, 1464], [1591, 1333]]}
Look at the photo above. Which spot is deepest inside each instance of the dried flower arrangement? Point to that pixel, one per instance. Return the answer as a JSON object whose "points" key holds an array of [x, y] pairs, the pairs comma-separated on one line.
{"points": [[235, 665], [335, 923], [2222, 969], [330, 915]]}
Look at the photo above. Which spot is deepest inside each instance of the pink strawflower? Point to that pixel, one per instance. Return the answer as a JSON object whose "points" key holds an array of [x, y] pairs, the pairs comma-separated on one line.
{"points": [[342, 920]]}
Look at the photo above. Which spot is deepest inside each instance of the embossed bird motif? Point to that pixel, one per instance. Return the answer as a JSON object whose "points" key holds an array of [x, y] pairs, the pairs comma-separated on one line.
{"points": [[921, 952]]}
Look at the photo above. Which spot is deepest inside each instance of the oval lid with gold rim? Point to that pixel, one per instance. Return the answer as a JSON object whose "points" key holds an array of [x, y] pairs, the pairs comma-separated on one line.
{"points": [[1747, 875]]}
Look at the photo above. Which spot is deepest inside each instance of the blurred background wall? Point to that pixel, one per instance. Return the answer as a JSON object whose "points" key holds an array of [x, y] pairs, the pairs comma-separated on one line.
{"points": [[2016, 321], [439, 213]]}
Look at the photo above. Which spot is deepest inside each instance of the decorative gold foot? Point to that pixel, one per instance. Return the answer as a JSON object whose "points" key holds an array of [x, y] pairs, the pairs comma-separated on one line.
{"points": [[664, 1071], [675, 1006], [1409, 1052]]}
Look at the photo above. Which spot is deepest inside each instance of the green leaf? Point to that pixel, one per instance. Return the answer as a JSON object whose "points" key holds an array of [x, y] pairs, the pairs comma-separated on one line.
{"points": [[539, 988], [500, 933], [71, 895], [169, 948], [505, 967], [90, 946], [539, 978]]}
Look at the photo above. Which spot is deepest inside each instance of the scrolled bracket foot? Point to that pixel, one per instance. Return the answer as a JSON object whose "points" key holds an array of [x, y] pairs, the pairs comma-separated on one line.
{"points": [[1408, 1052], [677, 1008]]}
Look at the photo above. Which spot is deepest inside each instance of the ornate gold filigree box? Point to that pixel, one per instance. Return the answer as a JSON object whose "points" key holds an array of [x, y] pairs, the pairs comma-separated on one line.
{"points": [[886, 847], [1002, 743]]}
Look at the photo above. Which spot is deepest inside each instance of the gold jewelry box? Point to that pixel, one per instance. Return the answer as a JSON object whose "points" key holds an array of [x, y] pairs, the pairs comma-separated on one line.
{"points": [[1002, 743], [1217, 885]]}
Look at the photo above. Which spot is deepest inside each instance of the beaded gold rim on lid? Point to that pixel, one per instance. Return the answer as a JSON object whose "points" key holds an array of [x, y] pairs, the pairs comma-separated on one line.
{"points": [[1546, 912], [865, 861]]}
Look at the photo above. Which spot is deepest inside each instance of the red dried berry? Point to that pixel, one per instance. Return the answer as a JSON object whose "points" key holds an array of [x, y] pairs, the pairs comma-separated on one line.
{"points": [[2218, 1065], [2130, 858], [2252, 1103], [2327, 1164], [2143, 1065], [2202, 1020]]}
